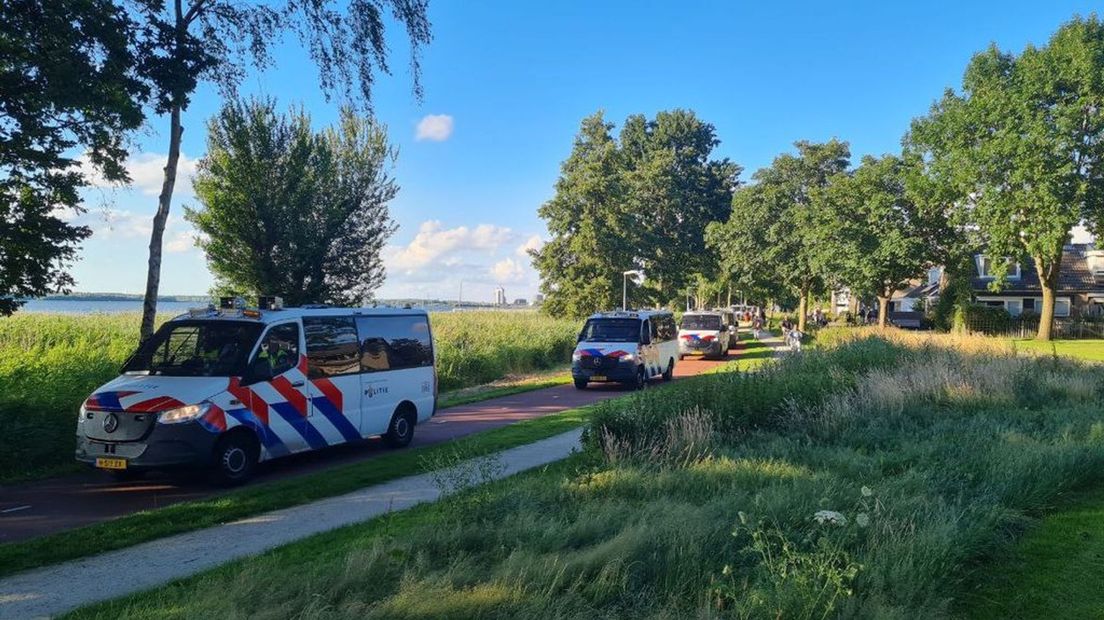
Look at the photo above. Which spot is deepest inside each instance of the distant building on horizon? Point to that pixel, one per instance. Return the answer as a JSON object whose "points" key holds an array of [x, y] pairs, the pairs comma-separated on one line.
{"points": [[500, 296]]}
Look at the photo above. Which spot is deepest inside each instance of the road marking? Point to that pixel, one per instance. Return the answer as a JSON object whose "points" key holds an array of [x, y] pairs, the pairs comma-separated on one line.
{"points": [[16, 509]]}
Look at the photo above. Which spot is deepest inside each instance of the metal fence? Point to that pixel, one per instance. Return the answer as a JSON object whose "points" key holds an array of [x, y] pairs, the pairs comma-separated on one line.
{"points": [[1016, 327]]}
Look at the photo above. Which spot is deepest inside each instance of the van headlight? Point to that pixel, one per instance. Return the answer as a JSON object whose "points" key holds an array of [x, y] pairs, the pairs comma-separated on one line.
{"points": [[628, 357], [576, 356], [186, 413]]}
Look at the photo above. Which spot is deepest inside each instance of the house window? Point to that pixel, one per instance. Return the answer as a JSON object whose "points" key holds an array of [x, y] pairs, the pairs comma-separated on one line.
{"points": [[1062, 307], [1029, 304], [985, 268]]}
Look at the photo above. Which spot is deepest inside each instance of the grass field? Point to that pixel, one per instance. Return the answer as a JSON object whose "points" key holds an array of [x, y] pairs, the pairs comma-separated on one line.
{"points": [[1092, 350], [49, 363], [873, 479]]}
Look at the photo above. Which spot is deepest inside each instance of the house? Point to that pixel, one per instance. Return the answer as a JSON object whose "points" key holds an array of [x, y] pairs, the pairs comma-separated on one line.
{"points": [[1080, 290]]}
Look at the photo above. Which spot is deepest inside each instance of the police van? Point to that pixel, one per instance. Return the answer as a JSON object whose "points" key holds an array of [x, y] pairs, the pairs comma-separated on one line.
{"points": [[629, 347], [228, 388]]}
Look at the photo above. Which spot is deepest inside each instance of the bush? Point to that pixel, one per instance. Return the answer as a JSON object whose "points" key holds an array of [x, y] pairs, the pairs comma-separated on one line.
{"points": [[988, 320]]}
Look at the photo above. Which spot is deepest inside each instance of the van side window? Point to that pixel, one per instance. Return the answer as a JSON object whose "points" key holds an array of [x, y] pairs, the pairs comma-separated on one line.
{"points": [[394, 342], [332, 346], [280, 348], [667, 328]]}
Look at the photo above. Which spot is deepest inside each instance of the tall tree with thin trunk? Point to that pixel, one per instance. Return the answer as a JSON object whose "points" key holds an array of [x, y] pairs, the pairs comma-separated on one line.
{"points": [[1023, 144], [182, 43]]}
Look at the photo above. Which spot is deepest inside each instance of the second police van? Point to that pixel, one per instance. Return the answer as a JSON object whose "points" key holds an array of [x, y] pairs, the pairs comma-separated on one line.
{"points": [[629, 347], [230, 388]]}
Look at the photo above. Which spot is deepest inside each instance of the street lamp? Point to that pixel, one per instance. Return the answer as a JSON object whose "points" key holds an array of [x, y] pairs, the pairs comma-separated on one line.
{"points": [[637, 275]]}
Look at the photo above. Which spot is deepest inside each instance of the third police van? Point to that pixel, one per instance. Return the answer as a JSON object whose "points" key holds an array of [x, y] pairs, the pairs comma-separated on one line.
{"points": [[231, 387], [629, 347]]}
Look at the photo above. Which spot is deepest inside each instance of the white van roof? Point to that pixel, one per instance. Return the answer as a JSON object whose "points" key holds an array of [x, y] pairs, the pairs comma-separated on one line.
{"points": [[629, 314], [271, 316]]}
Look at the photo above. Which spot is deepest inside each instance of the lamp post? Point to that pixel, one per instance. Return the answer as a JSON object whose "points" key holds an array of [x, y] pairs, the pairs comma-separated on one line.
{"points": [[636, 275]]}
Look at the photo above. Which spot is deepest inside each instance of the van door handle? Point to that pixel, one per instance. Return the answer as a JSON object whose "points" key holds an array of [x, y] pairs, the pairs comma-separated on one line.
{"points": [[297, 383]]}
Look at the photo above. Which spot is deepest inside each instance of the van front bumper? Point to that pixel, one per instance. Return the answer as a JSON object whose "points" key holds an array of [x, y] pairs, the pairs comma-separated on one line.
{"points": [[711, 348], [166, 446], [620, 373]]}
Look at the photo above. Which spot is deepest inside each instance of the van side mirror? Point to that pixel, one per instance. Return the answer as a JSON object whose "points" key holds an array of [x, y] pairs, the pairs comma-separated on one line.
{"points": [[259, 370]]}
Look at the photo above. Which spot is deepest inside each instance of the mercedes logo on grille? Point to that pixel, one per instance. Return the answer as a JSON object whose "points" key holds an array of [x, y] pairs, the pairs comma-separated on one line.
{"points": [[597, 362], [110, 423]]}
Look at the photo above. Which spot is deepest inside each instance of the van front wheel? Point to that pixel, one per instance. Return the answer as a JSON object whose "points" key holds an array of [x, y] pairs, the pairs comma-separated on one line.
{"points": [[236, 457], [401, 430]]}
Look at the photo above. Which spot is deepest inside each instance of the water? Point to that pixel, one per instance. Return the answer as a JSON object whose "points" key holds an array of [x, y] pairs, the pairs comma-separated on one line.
{"points": [[85, 306]]}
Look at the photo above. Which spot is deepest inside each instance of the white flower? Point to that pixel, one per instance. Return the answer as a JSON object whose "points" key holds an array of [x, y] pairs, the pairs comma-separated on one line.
{"points": [[862, 519], [867, 491], [727, 570], [829, 516]]}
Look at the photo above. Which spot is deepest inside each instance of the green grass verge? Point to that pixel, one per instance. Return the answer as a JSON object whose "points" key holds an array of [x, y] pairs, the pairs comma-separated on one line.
{"points": [[507, 387], [872, 480], [1092, 350], [192, 515], [1055, 571]]}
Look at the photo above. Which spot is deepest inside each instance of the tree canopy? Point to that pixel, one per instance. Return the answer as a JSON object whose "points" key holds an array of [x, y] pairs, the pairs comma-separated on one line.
{"points": [[182, 43], [641, 201], [68, 85], [772, 233], [290, 212], [1021, 145]]}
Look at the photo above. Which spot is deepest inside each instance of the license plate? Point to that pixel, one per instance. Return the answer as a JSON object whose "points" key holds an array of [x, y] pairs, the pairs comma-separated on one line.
{"points": [[597, 378], [103, 463]]}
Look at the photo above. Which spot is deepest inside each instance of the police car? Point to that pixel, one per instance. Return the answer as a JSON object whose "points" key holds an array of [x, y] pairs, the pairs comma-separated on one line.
{"points": [[629, 347], [228, 388]]}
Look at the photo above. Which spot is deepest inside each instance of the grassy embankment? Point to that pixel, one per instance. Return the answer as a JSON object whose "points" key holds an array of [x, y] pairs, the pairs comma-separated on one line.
{"points": [[258, 498], [875, 478], [49, 363]]}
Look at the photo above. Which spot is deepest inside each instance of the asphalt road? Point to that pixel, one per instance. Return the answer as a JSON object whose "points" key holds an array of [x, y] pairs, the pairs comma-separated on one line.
{"points": [[52, 505]]}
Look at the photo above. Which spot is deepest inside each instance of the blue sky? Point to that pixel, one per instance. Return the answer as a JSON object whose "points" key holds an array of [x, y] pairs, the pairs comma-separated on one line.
{"points": [[515, 78]]}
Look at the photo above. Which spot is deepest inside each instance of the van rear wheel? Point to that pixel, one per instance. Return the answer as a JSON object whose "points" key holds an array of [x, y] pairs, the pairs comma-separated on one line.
{"points": [[580, 384], [670, 372], [236, 458], [401, 430]]}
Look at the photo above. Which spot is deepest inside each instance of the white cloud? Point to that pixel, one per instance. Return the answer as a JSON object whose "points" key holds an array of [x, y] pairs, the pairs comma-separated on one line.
{"points": [[532, 243], [434, 242], [182, 241], [1082, 234], [434, 127], [147, 172], [507, 270]]}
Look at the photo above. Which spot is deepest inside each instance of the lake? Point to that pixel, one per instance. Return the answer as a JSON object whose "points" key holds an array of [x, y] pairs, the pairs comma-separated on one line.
{"points": [[86, 306]]}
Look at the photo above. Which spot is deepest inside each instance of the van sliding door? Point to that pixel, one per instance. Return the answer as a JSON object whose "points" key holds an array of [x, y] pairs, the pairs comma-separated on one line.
{"points": [[333, 370], [396, 354]]}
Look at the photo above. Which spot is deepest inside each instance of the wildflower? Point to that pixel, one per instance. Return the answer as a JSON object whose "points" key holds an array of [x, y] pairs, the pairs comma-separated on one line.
{"points": [[743, 517], [727, 570], [867, 491], [829, 516], [862, 519]]}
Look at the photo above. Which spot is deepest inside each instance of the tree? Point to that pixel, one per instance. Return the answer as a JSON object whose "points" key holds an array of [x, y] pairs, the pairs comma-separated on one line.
{"points": [[1022, 146], [673, 191], [871, 233], [217, 40], [641, 203], [289, 212], [592, 241], [773, 229], [67, 83]]}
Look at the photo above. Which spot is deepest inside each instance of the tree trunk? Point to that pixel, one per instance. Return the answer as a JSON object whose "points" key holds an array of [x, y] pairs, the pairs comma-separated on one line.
{"points": [[883, 311], [802, 309], [153, 275], [1048, 280]]}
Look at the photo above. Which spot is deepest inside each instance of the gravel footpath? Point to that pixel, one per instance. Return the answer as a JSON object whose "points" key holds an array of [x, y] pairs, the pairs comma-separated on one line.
{"points": [[54, 590]]}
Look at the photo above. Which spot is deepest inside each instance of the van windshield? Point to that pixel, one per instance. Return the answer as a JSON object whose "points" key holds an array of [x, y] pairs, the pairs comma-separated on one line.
{"points": [[196, 349], [611, 330], [701, 321]]}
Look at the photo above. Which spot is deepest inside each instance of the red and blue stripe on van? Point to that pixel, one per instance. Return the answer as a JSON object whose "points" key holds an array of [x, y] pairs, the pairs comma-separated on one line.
{"points": [[598, 353]]}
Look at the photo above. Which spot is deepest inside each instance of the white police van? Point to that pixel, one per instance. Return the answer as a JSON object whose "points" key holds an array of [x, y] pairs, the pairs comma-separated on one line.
{"points": [[231, 387], [629, 347]]}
